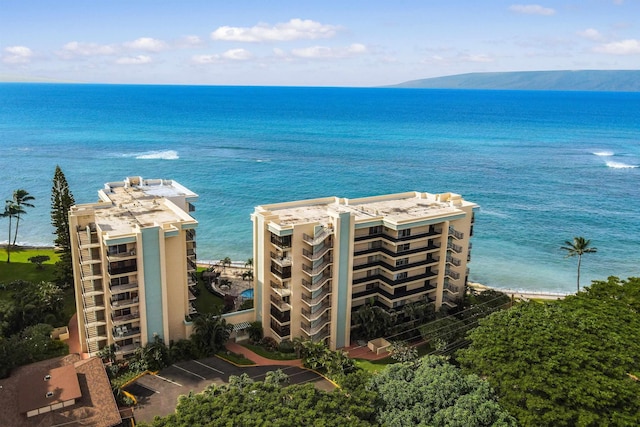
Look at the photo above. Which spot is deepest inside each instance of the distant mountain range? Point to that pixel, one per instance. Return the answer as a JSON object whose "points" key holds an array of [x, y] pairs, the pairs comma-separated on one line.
{"points": [[585, 80]]}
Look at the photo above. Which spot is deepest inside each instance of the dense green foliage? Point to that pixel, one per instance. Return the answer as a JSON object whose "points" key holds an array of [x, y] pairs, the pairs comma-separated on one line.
{"points": [[570, 362], [210, 332], [432, 392], [247, 403], [32, 344], [61, 202], [31, 303]]}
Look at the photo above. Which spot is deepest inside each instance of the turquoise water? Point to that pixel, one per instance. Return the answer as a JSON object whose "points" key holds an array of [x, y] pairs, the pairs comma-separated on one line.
{"points": [[247, 293], [543, 166]]}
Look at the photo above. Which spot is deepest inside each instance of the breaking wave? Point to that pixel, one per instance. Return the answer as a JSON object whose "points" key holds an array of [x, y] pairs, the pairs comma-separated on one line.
{"points": [[603, 153], [620, 165], [158, 155]]}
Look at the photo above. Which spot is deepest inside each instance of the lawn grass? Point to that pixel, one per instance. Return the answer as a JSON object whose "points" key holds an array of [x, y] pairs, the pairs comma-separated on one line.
{"points": [[372, 366], [21, 268], [206, 302], [273, 355]]}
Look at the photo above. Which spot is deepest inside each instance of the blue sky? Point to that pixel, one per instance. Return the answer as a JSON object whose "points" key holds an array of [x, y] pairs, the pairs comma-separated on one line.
{"points": [[309, 43]]}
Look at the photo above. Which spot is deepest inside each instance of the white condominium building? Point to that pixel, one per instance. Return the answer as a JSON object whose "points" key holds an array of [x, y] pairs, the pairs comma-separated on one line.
{"points": [[134, 264], [316, 261]]}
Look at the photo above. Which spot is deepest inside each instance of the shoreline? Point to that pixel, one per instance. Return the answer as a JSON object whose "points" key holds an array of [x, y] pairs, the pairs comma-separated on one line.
{"points": [[240, 265]]}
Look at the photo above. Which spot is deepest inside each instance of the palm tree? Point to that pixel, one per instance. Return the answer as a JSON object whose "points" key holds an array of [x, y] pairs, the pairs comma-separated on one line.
{"points": [[578, 247], [226, 262], [11, 210], [21, 198]]}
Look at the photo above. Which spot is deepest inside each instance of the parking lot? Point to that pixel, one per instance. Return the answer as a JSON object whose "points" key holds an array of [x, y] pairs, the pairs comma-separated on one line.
{"points": [[158, 394]]}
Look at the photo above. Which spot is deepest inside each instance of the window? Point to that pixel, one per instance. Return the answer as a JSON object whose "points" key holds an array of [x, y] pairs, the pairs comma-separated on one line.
{"points": [[401, 276], [403, 261], [117, 249], [404, 233], [375, 230], [375, 245], [404, 247]]}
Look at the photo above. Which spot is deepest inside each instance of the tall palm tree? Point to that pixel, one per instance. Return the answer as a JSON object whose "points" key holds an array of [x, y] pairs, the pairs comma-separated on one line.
{"points": [[21, 198], [578, 247], [11, 210]]}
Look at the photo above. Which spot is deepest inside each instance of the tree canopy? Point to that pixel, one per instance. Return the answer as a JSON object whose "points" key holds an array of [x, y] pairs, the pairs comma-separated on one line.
{"points": [[247, 403], [432, 392], [568, 362]]}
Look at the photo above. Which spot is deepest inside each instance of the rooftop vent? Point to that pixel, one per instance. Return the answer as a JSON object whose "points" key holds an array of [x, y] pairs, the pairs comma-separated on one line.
{"points": [[47, 377], [49, 394]]}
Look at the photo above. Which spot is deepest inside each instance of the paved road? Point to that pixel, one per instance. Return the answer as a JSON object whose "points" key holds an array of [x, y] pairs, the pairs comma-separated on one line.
{"points": [[158, 394]]}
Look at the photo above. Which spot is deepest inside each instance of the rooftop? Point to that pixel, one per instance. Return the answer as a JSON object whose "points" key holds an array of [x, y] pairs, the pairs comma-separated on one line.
{"points": [[394, 208], [138, 203], [96, 406]]}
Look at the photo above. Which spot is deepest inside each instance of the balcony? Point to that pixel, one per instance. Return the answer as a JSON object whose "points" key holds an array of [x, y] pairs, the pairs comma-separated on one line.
{"points": [[312, 315], [118, 289], [457, 234], [280, 272], [120, 256], [94, 318], [91, 288], [392, 282], [116, 304], [123, 269], [453, 247], [278, 302], [122, 350], [315, 300], [124, 318], [316, 253], [280, 260], [281, 317], [317, 283], [91, 272], [318, 237], [430, 247], [453, 261], [317, 327], [432, 232], [122, 332], [314, 271], [397, 294], [452, 274], [190, 235], [450, 288], [283, 242], [281, 331]]}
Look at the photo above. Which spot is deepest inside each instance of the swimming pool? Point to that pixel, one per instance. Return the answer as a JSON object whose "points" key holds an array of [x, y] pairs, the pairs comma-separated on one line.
{"points": [[247, 293]]}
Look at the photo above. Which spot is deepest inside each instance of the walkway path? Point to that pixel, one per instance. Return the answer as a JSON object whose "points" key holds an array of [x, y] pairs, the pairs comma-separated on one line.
{"points": [[259, 360]]}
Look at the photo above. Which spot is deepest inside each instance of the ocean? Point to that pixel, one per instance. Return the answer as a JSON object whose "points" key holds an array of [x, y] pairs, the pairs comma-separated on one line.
{"points": [[543, 166]]}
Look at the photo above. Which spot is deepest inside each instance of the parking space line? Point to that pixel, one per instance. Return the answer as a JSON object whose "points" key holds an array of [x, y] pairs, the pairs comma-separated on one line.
{"points": [[189, 372], [207, 366], [168, 380], [137, 384]]}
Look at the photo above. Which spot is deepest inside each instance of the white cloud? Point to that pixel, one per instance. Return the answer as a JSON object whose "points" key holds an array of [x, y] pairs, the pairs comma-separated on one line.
{"points": [[623, 47], [134, 60], [229, 55], [323, 52], [295, 29], [189, 41], [74, 48], [532, 9], [17, 55], [237, 55], [146, 44], [590, 34]]}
